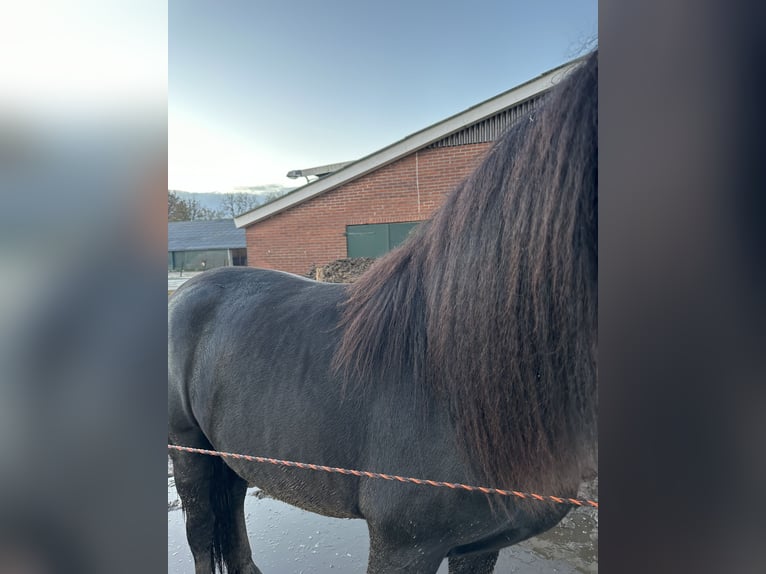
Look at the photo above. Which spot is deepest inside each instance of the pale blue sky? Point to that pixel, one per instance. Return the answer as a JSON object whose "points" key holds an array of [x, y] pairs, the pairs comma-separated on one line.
{"points": [[259, 88]]}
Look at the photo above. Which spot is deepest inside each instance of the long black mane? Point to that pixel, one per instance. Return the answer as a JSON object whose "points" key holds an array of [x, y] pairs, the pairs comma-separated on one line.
{"points": [[492, 303]]}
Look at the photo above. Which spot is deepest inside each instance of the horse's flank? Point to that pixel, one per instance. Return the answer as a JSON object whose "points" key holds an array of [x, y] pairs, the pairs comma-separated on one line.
{"points": [[492, 303]]}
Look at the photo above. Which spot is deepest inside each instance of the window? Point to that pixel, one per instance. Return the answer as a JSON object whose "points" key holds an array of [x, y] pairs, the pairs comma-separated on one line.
{"points": [[376, 239], [197, 260], [239, 257]]}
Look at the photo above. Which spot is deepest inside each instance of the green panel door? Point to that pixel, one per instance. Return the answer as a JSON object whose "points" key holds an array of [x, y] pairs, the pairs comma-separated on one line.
{"points": [[367, 240], [398, 232]]}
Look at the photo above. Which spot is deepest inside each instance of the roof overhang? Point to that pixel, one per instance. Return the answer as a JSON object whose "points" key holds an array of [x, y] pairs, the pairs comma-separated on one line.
{"points": [[408, 145]]}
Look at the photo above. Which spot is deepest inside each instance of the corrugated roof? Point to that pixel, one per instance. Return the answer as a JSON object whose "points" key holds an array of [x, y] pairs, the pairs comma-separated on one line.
{"points": [[201, 235]]}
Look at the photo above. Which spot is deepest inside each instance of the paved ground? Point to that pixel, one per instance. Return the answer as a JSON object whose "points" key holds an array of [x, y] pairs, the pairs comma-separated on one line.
{"points": [[287, 540]]}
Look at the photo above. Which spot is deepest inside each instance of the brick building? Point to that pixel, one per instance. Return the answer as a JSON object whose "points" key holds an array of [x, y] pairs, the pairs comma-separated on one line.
{"points": [[368, 206]]}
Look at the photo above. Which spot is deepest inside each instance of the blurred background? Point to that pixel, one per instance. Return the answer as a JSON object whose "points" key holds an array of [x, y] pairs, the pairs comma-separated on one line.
{"points": [[83, 170]]}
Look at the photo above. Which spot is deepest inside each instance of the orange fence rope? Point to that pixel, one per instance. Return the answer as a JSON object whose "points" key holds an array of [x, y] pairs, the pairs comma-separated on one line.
{"points": [[382, 476]]}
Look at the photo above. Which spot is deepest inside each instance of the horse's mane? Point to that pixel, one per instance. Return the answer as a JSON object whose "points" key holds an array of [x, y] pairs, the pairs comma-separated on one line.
{"points": [[492, 303]]}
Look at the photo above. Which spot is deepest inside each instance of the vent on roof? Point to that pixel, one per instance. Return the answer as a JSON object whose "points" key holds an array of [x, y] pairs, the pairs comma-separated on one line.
{"points": [[319, 171], [490, 129]]}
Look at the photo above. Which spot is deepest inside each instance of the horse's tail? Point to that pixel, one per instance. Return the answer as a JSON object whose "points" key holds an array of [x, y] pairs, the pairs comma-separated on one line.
{"points": [[224, 512]]}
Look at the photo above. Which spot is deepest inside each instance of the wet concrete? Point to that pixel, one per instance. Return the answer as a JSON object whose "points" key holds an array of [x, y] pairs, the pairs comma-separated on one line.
{"points": [[287, 540]]}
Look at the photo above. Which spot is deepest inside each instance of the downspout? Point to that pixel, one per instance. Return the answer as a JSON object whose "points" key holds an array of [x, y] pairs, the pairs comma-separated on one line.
{"points": [[417, 181]]}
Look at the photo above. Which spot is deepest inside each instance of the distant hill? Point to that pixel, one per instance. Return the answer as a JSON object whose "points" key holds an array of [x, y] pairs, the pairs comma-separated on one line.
{"points": [[213, 200]]}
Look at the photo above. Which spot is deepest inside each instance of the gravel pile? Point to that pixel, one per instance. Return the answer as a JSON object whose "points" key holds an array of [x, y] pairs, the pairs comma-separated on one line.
{"points": [[341, 270]]}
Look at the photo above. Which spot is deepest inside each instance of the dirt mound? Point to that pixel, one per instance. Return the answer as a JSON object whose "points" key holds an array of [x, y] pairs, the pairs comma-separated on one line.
{"points": [[341, 270]]}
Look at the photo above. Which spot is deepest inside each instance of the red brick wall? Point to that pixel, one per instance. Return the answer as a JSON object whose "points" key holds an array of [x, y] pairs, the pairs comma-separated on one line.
{"points": [[313, 232]]}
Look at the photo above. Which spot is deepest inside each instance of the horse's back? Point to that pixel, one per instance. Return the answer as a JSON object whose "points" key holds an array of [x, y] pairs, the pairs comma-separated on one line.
{"points": [[243, 294], [229, 326], [211, 310]]}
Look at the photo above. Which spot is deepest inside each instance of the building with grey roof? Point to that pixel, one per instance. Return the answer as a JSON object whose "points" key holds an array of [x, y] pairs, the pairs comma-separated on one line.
{"points": [[200, 245]]}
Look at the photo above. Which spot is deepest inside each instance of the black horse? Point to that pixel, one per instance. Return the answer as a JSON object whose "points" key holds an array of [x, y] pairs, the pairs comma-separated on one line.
{"points": [[466, 355]]}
